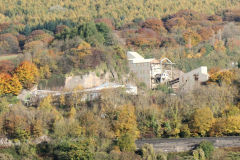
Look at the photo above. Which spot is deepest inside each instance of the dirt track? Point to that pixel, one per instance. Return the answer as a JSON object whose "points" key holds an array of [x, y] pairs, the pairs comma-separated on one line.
{"points": [[186, 144]]}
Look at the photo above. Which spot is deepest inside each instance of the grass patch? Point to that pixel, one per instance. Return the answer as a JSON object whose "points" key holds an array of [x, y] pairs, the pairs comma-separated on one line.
{"points": [[8, 57]]}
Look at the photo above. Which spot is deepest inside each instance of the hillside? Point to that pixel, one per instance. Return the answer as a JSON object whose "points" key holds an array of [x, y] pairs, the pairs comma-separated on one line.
{"points": [[45, 44], [121, 11]]}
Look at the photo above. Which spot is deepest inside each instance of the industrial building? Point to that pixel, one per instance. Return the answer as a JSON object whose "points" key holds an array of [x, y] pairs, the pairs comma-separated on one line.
{"points": [[153, 72]]}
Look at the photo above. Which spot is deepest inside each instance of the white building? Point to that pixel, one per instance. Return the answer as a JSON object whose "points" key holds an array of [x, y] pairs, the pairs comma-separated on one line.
{"points": [[153, 72], [193, 79], [150, 71]]}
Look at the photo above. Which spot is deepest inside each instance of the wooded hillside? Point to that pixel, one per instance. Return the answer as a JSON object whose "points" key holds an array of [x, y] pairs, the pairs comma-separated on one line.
{"points": [[121, 11]]}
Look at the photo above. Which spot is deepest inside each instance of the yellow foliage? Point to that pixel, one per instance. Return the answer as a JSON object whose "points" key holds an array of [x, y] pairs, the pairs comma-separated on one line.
{"points": [[62, 100], [126, 122], [45, 71], [219, 46], [9, 84], [226, 126], [83, 49], [202, 120], [46, 106], [27, 74], [191, 38], [122, 12], [222, 76], [72, 113]]}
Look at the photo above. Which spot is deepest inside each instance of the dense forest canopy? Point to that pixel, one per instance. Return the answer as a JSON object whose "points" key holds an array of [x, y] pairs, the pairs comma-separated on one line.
{"points": [[34, 12]]}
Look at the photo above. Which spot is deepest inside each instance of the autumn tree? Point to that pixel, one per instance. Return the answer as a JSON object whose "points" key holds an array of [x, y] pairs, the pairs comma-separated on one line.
{"points": [[16, 126], [191, 38], [154, 24], [6, 66], [9, 84], [40, 35], [219, 77], [202, 121], [27, 73], [8, 43], [36, 128], [125, 127], [175, 23]]}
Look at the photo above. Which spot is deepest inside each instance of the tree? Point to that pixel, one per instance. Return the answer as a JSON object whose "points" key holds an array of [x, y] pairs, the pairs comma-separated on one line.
{"points": [[8, 43], [202, 121], [125, 127], [68, 150], [36, 128], [219, 77], [191, 38], [9, 84], [27, 73], [89, 32], [40, 35], [6, 66], [106, 32], [154, 24], [16, 126]]}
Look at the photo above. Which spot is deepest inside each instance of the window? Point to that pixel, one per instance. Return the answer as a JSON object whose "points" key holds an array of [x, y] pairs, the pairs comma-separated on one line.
{"points": [[196, 77]]}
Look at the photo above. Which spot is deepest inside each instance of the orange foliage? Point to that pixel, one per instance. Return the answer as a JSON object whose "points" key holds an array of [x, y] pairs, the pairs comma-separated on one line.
{"points": [[27, 73], [6, 66], [219, 46], [145, 37], [213, 70], [176, 22], [9, 84], [191, 38], [8, 43], [83, 49], [40, 35], [141, 41], [154, 24], [205, 33], [4, 26]]}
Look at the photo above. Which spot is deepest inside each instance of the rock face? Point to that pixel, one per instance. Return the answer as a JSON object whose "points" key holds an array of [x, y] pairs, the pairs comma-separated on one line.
{"points": [[87, 81], [187, 144]]}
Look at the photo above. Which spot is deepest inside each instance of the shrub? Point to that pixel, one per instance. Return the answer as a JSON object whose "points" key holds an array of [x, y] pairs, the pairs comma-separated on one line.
{"points": [[202, 121], [207, 147], [147, 152], [73, 150], [6, 156], [198, 154]]}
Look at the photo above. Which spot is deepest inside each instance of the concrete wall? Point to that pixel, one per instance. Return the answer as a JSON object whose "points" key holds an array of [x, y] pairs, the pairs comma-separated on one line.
{"points": [[187, 144], [86, 81], [188, 81], [142, 72]]}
